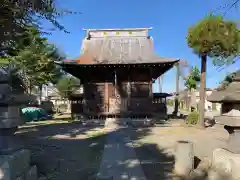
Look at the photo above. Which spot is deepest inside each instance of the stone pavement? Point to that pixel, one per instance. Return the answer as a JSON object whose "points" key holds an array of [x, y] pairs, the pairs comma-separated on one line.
{"points": [[119, 161]]}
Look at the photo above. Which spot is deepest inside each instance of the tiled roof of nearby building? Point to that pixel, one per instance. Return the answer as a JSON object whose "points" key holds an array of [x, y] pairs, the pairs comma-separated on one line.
{"points": [[230, 94]]}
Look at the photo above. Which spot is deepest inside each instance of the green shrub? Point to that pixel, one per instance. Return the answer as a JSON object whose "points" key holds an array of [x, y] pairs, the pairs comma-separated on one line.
{"points": [[170, 102], [192, 118]]}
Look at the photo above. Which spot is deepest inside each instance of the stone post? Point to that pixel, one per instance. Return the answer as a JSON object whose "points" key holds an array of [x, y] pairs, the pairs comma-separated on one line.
{"points": [[183, 158]]}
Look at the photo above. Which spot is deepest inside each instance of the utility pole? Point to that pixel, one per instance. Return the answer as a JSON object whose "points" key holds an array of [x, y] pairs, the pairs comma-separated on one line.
{"points": [[176, 103]]}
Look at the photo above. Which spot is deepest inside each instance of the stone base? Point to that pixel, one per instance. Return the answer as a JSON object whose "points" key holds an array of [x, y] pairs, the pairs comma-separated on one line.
{"points": [[9, 143], [17, 166], [226, 162]]}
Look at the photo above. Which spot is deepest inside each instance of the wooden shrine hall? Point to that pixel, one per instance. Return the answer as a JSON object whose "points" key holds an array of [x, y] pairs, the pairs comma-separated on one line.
{"points": [[117, 69]]}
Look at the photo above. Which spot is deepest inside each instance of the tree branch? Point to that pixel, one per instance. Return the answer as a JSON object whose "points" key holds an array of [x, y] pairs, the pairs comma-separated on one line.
{"points": [[228, 7]]}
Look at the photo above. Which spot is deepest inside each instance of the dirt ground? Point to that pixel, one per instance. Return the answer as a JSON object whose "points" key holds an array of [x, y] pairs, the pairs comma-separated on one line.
{"points": [[155, 149], [68, 150], [64, 150], [204, 140]]}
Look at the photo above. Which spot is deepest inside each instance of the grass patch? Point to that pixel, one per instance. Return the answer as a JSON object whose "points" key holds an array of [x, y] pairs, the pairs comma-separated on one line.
{"points": [[48, 122], [96, 134]]}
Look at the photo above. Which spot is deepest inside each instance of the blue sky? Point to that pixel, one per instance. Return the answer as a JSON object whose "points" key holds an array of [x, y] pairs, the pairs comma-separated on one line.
{"points": [[170, 20]]}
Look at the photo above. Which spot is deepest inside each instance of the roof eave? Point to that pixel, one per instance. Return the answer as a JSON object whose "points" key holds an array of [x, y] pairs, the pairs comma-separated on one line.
{"points": [[108, 64]]}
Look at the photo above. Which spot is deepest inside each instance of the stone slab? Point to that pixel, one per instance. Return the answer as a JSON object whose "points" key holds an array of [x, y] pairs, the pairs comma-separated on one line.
{"points": [[226, 162], [32, 174], [21, 177], [15, 165]]}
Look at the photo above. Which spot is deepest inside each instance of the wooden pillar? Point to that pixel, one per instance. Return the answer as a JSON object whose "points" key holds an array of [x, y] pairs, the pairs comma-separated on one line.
{"points": [[129, 83], [115, 82], [160, 84], [150, 84], [129, 89], [106, 97]]}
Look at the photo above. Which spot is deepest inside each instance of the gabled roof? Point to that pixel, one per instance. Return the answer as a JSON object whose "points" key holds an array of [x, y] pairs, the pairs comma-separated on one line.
{"points": [[132, 49]]}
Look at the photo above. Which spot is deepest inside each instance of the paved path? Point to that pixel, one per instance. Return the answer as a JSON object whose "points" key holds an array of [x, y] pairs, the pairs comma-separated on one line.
{"points": [[119, 160]]}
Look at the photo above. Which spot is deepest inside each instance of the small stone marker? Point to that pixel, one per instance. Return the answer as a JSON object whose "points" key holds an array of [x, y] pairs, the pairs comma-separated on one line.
{"points": [[183, 158]]}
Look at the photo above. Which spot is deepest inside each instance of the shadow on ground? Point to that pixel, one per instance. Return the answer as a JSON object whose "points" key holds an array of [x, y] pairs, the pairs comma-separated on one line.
{"points": [[127, 156], [156, 163], [65, 151]]}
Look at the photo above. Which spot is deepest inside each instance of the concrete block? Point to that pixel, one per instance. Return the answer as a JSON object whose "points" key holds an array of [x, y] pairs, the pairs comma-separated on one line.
{"points": [[32, 174], [15, 165], [226, 162]]}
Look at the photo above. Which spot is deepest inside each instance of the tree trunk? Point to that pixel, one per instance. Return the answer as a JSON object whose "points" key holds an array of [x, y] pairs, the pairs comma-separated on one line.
{"points": [[29, 88], [202, 91], [188, 100]]}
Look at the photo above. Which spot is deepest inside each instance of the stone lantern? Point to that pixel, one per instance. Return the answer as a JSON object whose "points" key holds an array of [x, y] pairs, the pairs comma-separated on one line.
{"points": [[10, 115], [230, 117], [231, 122]]}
